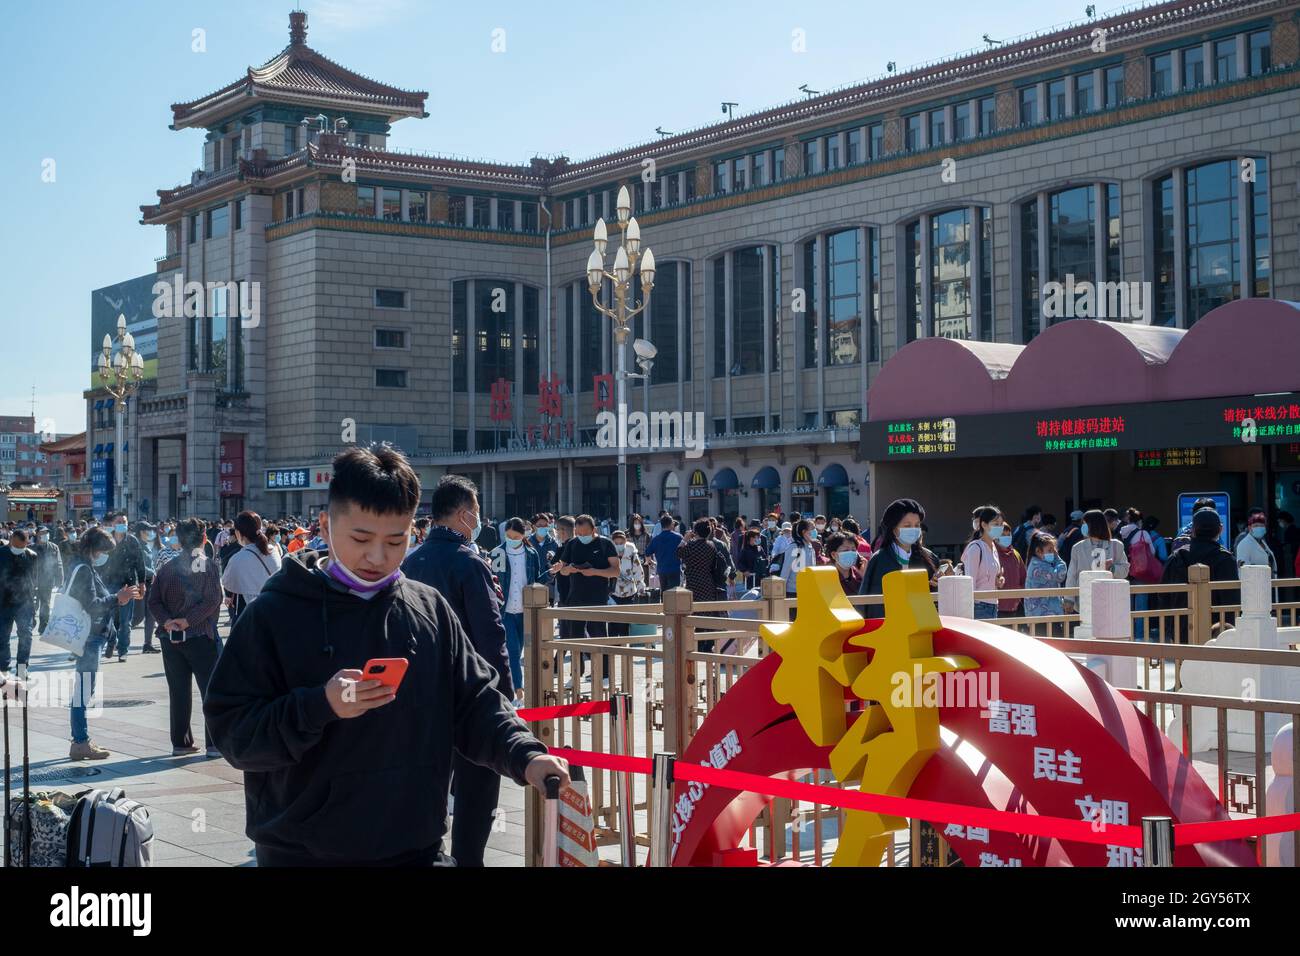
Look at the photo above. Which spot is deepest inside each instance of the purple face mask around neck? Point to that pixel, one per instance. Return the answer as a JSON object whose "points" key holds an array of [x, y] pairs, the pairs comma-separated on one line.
{"points": [[337, 570]]}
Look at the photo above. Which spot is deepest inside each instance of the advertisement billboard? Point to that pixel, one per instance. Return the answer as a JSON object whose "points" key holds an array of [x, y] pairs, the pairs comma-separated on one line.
{"points": [[132, 299]]}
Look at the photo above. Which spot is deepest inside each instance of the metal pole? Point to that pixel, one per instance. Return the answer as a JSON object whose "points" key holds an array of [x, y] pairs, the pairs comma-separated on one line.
{"points": [[1157, 841], [551, 823], [119, 459], [620, 515], [661, 810], [620, 714]]}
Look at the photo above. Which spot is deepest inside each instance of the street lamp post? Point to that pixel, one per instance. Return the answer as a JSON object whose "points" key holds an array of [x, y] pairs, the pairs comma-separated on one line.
{"points": [[121, 374], [630, 255]]}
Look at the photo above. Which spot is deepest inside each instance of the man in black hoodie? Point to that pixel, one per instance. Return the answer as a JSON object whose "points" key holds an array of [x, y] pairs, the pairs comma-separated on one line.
{"points": [[1204, 548], [339, 770]]}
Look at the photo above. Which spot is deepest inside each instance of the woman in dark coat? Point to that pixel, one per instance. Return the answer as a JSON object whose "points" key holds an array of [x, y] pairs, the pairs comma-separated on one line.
{"points": [[897, 546]]}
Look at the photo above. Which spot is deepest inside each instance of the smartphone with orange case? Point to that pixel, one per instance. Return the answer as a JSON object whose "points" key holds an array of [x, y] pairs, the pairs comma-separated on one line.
{"points": [[389, 671]]}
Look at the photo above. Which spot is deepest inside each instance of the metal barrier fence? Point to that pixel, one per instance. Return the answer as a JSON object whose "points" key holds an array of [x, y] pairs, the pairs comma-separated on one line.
{"points": [[677, 658]]}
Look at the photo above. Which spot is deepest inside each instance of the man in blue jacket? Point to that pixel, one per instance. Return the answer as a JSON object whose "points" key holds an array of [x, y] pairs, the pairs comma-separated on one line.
{"points": [[449, 564]]}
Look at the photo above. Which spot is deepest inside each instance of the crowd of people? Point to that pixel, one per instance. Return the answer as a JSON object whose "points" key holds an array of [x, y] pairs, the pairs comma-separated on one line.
{"points": [[278, 580]]}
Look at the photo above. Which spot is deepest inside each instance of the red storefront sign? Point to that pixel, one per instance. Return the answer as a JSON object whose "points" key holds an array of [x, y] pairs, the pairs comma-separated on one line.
{"points": [[230, 467]]}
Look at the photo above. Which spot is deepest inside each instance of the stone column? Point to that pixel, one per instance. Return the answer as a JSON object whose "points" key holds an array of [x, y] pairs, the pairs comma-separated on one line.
{"points": [[201, 442]]}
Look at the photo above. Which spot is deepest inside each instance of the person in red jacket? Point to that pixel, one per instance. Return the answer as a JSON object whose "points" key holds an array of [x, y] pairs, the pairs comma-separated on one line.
{"points": [[1013, 574]]}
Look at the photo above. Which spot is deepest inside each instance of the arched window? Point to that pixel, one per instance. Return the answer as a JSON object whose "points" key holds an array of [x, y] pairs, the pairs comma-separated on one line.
{"points": [[1217, 257], [670, 322], [947, 267], [671, 493]]}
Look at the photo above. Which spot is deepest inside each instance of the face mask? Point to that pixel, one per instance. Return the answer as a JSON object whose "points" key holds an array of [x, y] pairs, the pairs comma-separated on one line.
{"points": [[276, 538], [42, 538], [586, 538], [478, 526], [73, 536], [148, 535], [344, 576], [16, 550], [812, 535], [541, 533], [637, 527], [1083, 528], [1258, 532], [514, 545], [771, 524], [101, 559], [847, 559], [820, 526], [909, 536], [1005, 540], [120, 528], [995, 531]]}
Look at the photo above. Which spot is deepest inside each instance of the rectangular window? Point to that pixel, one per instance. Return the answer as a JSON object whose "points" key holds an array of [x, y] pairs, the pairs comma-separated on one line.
{"points": [[1260, 46], [719, 278], [690, 188], [390, 378], [1114, 86], [506, 214], [598, 203], [747, 324], [1030, 281], [778, 167], [1114, 261], [239, 214], [844, 418], [656, 192], [1028, 105], [749, 425], [390, 338], [672, 190], [1084, 101], [759, 168], [1162, 74], [873, 293], [1225, 60], [812, 292], [1193, 67], [938, 119], [853, 138], [843, 298], [193, 229], [366, 201], [950, 274], [832, 151], [530, 331], [721, 177], [456, 210], [219, 319], [1165, 294], [528, 215], [961, 125], [291, 139], [482, 212], [1056, 99], [912, 132], [988, 115], [218, 223], [417, 207], [739, 177], [390, 299], [459, 336], [912, 277], [812, 161], [1260, 237], [876, 140], [392, 208]]}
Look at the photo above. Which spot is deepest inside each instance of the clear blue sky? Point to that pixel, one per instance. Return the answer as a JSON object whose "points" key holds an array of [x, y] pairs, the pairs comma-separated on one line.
{"points": [[89, 85]]}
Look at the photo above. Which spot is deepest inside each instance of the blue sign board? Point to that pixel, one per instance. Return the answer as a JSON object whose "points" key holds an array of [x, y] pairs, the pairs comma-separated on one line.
{"points": [[1222, 505], [288, 479], [101, 486]]}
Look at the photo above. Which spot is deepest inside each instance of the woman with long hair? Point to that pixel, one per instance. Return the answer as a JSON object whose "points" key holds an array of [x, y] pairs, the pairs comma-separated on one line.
{"points": [[980, 558], [252, 565], [898, 546]]}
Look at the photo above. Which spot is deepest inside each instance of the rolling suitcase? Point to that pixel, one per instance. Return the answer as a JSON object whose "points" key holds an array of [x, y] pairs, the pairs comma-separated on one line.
{"points": [[9, 694]]}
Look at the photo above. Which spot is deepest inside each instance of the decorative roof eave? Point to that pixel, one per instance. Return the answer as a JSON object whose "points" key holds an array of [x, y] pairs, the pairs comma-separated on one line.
{"points": [[268, 82], [1125, 31], [389, 163]]}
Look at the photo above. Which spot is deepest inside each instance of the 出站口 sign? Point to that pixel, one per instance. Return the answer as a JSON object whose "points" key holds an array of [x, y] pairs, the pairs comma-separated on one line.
{"points": [[1198, 423]]}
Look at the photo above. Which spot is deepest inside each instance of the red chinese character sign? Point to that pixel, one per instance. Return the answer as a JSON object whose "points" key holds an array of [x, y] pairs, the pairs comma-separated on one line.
{"points": [[500, 409], [1056, 740]]}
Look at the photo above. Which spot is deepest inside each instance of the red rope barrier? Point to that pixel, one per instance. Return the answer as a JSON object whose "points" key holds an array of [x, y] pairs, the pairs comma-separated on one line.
{"points": [[1007, 821], [567, 710]]}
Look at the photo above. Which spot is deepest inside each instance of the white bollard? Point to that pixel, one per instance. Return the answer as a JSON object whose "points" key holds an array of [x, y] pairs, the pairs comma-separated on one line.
{"points": [[1279, 848], [957, 596], [1084, 628], [1111, 621], [1256, 591]]}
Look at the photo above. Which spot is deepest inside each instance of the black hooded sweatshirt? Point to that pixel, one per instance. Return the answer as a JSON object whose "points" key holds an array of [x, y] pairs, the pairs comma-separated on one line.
{"points": [[370, 789]]}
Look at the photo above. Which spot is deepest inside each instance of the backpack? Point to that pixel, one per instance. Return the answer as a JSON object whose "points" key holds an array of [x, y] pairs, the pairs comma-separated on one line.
{"points": [[1143, 565], [107, 829]]}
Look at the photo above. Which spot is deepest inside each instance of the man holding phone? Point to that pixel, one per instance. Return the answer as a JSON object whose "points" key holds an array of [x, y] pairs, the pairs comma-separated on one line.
{"points": [[340, 770]]}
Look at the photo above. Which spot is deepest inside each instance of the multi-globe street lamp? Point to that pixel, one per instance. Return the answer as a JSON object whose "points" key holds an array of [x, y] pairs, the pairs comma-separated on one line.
{"points": [[629, 259], [120, 374]]}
